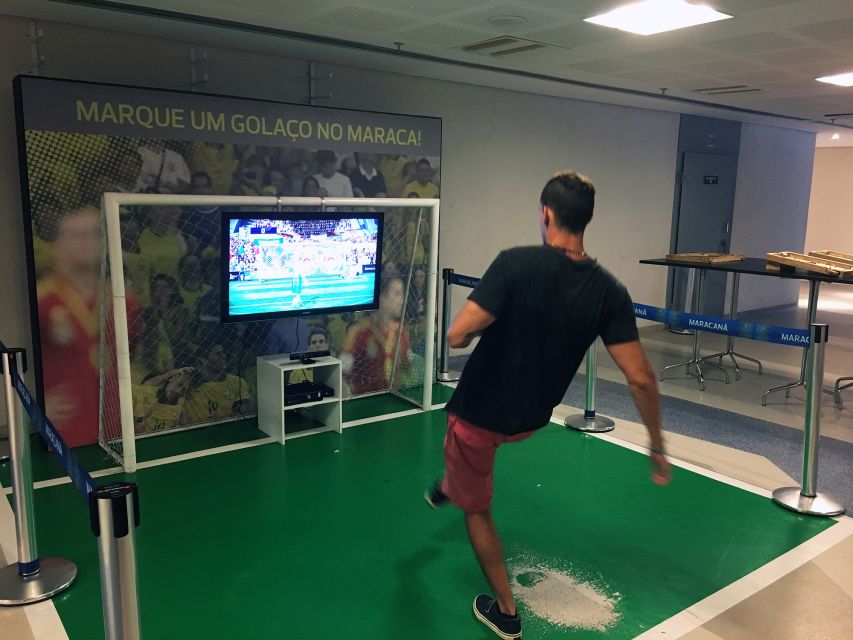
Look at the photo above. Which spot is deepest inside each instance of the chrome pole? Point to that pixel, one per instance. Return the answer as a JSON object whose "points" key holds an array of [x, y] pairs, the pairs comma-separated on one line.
{"points": [[807, 499], [31, 579], [588, 421], [114, 509]]}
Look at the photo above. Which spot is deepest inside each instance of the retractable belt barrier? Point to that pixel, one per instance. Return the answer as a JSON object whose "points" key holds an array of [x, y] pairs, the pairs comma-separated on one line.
{"points": [[805, 499], [725, 326], [113, 509]]}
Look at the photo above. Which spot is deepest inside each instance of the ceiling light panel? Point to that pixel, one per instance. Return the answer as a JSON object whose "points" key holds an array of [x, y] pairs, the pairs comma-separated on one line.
{"points": [[657, 16]]}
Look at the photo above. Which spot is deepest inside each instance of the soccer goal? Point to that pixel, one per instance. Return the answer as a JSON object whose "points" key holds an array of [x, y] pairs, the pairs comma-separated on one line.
{"points": [[168, 363]]}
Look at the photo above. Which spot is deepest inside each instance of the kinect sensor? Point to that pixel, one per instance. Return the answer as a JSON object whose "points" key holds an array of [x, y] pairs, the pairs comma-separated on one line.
{"points": [[305, 357]]}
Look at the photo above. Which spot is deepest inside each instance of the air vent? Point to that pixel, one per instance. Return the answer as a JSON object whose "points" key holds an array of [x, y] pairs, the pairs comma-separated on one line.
{"points": [[718, 91], [503, 46]]}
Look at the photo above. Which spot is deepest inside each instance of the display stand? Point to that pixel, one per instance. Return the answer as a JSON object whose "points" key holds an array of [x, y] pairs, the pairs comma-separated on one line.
{"points": [[282, 421]]}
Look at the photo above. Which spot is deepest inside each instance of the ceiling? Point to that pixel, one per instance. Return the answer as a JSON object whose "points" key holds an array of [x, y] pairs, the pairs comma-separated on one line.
{"points": [[764, 60]]}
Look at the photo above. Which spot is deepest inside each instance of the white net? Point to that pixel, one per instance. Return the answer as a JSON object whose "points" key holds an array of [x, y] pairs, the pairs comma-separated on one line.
{"points": [[187, 369]]}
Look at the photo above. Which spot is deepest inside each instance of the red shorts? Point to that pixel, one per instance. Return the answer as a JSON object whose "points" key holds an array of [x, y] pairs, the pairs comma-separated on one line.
{"points": [[469, 459]]}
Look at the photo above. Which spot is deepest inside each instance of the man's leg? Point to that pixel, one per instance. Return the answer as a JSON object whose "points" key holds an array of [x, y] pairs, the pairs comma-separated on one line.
{"points": [[487, 547]]}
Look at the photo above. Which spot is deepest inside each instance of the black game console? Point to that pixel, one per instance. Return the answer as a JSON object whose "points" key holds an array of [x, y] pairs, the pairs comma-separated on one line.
{"points": [[302, 392]]}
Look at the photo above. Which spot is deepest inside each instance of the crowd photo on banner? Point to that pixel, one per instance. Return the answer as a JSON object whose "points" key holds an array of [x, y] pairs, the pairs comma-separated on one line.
{"points": [[188, 368]]}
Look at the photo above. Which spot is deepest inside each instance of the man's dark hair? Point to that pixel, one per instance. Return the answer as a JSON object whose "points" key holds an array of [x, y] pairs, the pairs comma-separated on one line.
{"points": [[571, 197], [424, 161]]}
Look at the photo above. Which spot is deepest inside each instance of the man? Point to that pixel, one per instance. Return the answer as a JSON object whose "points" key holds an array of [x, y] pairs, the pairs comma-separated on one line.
{"points": [[69, 320], [336, 184], [510, 385], [422, 186], [367, 181], [214, 394], [367, 353]]}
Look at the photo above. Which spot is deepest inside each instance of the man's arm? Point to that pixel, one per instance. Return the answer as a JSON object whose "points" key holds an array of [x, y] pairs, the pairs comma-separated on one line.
{"points": [[470, 322], [631, 359]]}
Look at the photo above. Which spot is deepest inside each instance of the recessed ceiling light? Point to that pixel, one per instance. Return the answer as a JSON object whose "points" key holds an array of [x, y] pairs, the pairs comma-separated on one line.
{"points": [[842, 79], [655, 16], [836, 136]]}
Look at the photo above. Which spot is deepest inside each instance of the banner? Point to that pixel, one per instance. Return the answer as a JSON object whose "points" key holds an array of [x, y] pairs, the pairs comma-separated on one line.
{"points": [[78, 140], [725, 326]]}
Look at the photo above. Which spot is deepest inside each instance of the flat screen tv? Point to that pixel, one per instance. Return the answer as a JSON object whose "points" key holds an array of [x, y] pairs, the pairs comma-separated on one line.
{"points": [[278, 265]]}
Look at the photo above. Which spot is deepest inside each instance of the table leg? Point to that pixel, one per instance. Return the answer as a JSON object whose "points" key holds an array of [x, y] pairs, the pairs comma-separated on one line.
{"points": [[696, 361], [730, 341], [814, 292]]}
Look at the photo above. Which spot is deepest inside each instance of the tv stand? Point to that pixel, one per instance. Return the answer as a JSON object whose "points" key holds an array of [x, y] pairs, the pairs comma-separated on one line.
{"points": [[284, 421]]}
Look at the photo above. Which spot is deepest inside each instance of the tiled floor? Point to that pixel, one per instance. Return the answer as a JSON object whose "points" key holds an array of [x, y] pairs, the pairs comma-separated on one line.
{"points": [[807, 594]]}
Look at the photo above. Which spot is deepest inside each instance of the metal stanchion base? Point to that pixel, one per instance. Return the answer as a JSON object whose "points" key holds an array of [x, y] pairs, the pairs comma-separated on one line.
{"points": [[598, 424], [4, 450], [55, 575], [447, 376], [819, 505]]}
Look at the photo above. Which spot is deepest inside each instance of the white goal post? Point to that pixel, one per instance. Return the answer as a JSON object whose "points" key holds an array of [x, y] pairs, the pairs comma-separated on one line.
{"points": [[111, 204]]}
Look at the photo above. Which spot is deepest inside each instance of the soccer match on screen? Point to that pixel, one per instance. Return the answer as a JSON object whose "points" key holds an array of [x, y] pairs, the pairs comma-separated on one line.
{"points": [[298, 266]]}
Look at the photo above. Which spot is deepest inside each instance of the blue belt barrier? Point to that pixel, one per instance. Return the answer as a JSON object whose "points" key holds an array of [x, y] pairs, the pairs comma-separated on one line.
{"points": [[465, 281], [725, 326], [750, 330], [78, 474]]}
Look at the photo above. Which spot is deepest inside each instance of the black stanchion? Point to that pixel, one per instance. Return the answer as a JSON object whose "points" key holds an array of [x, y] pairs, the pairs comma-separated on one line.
{"points": [[450, 278], [31, 579], [444, 374], [588, 421], [114, 511]]}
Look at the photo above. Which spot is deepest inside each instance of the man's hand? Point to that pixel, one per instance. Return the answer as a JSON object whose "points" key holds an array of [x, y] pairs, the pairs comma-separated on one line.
{"points": [[469, 323], [661, 469]]}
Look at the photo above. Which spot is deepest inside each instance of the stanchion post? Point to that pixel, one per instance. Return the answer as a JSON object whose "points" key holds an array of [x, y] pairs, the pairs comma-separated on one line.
{"points": [[31, 579], [444, 375], [588, 421], [114, 512], [806, 499]]}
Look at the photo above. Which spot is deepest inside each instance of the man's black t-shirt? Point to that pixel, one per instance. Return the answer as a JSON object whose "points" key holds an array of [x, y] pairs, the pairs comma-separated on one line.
{"points": [[548, 309]]}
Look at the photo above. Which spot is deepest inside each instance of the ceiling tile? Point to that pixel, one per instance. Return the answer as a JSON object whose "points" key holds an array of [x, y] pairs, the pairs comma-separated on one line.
{"points": [[738, 7], [425, 8], [798, 56], [752, 43], [532, 18], [719, 67], [606, 66], [580, 8], [573, 35], [442, 35], [678, 55], [829, 31], [659, 77], [361, 19]]}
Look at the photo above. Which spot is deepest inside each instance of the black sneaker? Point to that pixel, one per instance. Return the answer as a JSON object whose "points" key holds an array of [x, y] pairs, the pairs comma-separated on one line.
{"points": [[487, 611], [435, 498]]}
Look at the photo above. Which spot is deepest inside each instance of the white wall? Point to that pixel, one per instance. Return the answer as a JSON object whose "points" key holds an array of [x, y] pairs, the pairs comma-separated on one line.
{"points": [[771, 206], [830, 224], [499, 147]]}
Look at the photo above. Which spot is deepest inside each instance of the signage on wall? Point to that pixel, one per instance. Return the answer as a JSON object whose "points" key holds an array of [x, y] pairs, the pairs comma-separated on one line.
{"points": [[711, 180]]}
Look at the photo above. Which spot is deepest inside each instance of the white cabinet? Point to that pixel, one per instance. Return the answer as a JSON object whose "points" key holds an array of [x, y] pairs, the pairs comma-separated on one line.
{"points": [[286, 421]]}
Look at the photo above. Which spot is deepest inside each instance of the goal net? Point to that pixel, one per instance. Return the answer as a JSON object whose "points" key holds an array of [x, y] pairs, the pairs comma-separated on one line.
{"points": [[169, 363]]}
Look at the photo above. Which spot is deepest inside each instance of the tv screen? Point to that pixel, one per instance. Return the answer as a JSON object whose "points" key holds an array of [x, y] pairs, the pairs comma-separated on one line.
{"points": [[277, 265]]}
